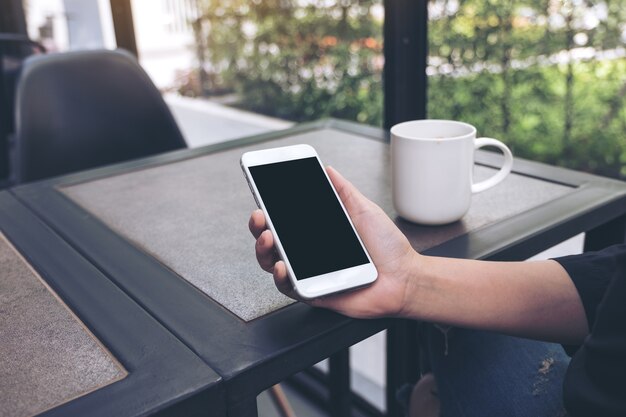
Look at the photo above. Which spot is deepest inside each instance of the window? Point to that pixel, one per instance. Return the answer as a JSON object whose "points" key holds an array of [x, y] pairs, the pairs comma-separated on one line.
{"points": [[71, 24]]}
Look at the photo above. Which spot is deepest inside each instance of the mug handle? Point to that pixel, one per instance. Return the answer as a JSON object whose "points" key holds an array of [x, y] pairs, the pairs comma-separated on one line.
{"points": [[502, 173]]}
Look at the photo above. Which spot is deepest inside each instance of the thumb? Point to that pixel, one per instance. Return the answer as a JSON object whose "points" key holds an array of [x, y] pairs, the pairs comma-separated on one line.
{"points": [[352, 199]]}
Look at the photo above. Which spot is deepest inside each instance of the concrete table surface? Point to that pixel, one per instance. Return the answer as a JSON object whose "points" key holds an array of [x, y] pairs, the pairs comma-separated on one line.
{"points": [[192, 215], [47, 355]]}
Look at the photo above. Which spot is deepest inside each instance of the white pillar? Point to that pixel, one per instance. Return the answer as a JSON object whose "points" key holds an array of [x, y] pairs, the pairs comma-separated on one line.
{"points": [[84, 24]]}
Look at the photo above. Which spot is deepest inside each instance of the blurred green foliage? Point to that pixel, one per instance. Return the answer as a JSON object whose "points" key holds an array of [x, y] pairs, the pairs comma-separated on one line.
{"points": [[294, 59], [548, 77]]}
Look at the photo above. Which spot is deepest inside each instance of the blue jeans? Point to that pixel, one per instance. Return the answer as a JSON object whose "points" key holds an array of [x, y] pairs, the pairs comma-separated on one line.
{"points": [[487, 374]]}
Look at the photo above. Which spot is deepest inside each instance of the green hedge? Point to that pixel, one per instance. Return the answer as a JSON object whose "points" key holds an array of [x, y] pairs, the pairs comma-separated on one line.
{"points": [[596, 141]]}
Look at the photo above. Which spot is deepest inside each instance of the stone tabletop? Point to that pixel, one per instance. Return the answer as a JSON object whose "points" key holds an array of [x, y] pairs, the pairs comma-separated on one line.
{"points": [[47, 356], [192, 215]]}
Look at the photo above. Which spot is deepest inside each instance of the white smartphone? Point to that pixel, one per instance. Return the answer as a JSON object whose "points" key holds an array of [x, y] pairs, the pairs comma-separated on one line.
{"points": [[313, 233]]}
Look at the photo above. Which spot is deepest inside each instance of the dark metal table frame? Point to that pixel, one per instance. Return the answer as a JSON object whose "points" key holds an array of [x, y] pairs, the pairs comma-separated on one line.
{"points": [[164, 376], [595, 205]]}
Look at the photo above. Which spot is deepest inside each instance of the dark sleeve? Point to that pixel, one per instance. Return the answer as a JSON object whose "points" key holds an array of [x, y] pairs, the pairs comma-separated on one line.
{"points": [[591, 273], [594, 383]]}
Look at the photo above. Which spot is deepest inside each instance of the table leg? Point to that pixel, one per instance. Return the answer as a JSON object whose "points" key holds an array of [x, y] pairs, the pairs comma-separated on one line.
{"points": [[402, 361], [244, 408], [339, 384], [282, 404], [607, 234]]}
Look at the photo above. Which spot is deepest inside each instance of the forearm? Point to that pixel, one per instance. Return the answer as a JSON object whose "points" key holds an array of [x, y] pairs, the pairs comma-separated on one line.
{"points": [[530, 299]]}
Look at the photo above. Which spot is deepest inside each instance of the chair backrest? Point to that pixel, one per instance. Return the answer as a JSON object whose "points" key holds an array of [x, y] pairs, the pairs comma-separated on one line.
{"points": [[86, 109], [13, 51]]}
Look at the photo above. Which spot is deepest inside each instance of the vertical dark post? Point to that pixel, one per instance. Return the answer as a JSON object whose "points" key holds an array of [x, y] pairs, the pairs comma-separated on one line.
{"points": [[405, 83], [243, 408], [406, 51], [339, 384], [402, 361], [123, 24], [12, 22], [12, 19]]}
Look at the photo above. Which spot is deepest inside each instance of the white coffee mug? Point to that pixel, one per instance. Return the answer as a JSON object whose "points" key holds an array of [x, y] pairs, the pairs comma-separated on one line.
{"points": [[432, 165]]}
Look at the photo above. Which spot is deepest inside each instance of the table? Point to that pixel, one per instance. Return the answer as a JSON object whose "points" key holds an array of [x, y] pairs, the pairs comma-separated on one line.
{"points": [[72, 343], [171, 232]]}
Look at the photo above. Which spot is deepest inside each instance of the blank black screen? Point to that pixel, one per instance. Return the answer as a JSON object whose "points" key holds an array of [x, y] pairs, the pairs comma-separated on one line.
{"points": [[312, 227]]}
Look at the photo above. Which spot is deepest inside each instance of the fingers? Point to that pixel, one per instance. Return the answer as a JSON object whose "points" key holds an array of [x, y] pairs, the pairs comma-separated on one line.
{"points": [[265, 253], [264, 248], [280, 278], [256, 224], [267, 257], [282, 282]]}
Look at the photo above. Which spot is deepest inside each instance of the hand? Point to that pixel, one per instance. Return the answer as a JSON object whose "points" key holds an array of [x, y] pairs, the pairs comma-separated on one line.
{"points": [[388, 247], [527, 299]]}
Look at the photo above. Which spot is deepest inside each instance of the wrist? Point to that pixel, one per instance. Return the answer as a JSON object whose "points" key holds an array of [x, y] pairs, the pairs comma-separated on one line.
{"points": [[413, 277]]}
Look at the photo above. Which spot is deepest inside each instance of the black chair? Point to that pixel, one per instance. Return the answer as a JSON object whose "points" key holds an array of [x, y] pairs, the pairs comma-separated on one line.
{"points": [[14, 49], [86, 109]]}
